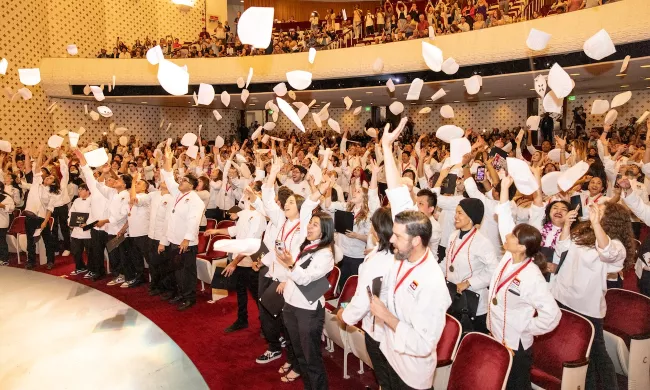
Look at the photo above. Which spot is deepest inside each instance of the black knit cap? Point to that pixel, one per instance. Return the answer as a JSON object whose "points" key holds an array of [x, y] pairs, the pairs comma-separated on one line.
{"points": [[473, 208]]}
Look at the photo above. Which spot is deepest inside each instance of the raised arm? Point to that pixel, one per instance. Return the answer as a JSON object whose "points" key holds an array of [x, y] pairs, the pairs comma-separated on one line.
{"points": [[393, 177]]}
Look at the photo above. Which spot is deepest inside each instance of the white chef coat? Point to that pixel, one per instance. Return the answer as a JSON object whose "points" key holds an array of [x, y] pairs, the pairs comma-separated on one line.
{"points": [[351, 246], [250, 224], [587, 201], [118, 207], [420, 303], [5, 212], [98, 203], [447, 206], [375, 265], [39, 200], [300, 188], [475, 261], [489, 226], [519, 299], [205, 197], [139, 216], [581, 283], [158, 212], [64, 197], [322, 263], [285, 231], [80, 206], [184, 215]]}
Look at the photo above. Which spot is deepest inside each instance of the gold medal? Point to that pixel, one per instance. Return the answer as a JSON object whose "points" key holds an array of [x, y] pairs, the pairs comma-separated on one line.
{"points": [[494, 301], [451, 268]]}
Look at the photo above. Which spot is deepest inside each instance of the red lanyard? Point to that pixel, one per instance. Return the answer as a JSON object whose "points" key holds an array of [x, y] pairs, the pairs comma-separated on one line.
{"points": [[284, 238], [307, 248], [400, 281], [509, 278], [181, 198], [595, 200], [462, 244]]}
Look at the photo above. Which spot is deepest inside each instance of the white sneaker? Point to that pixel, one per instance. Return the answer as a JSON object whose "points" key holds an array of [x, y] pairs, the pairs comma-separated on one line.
{"points": [[118, 280], [65, 253]]}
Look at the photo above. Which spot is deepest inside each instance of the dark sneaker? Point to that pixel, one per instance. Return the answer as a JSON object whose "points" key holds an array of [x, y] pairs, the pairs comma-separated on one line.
{"points": [[89, 275], [176, 299], [78, 272], [166, 296], [50, 265], [186, 305], [268, 356], [236, 326]]}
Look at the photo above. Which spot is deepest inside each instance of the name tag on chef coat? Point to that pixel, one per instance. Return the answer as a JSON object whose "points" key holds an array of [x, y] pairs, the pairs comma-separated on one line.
{"points": [[412, 288], [514, 287]]}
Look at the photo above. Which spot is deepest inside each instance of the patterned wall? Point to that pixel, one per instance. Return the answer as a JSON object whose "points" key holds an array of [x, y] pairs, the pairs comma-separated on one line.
{"points": [[24, 43], [81, 22], [639, 103], [129, 20], [345, 119], [142, 120], [479, 115]]}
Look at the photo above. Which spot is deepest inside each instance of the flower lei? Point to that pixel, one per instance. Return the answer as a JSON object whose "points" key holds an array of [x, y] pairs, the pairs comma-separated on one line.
{"points": [[548, 228]]}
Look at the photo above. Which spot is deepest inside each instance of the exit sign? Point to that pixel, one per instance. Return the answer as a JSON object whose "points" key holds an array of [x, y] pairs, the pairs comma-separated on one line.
{"points": [[367, 109], [571, 98]]}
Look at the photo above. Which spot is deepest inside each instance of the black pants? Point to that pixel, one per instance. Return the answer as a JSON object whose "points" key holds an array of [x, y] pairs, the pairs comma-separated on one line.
{"points": [[601, 369], [304, 328], [98, 239], [519, 378], [618, 283], [31, 225], [480, 325], [349, 266], [442, 252], [77, 246], [271, 326], [370, 30], [60, 216], [246, 280], [636, 228], [644, 283], [117, 257], [386, 376], [138, 253], [4, 248], [185, 266], [160, 269]]}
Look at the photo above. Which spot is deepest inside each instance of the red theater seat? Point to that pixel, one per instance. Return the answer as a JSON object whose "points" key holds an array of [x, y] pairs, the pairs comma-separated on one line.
{"points": [[560, 358], [481, 363]]}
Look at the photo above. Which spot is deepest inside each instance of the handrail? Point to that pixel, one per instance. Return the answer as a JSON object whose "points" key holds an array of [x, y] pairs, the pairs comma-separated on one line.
{"points": [[532, 7]]}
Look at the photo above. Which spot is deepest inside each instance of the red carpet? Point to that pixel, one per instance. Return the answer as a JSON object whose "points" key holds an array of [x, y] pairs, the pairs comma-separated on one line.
{"points": [[226, 361]]}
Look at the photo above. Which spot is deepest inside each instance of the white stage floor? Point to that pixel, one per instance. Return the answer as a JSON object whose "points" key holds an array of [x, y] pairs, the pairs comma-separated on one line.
{"points": [[58, 334]]}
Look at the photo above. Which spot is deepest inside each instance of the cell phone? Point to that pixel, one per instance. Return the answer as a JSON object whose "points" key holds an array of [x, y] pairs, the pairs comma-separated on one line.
{"points": [[576, 202], [480, 173], [618, 177], [279, 245], [369, 292]]}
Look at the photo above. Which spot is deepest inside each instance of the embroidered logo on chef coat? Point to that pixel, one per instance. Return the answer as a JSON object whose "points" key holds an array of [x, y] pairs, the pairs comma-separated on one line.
{"points": [[514, 287], [414, 285]]}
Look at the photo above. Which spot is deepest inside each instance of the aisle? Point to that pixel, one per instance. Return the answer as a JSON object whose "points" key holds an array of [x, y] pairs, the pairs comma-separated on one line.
{"points": [[226, 361]]}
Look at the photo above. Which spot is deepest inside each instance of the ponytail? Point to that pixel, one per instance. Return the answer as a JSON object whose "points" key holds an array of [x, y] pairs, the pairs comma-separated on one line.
{"points": [[540, 260]]}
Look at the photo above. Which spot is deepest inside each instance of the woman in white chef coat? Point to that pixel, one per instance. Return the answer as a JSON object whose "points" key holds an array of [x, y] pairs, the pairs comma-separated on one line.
{"points": [[6, 208], [517, 291], [602, 245], [303, 319]]}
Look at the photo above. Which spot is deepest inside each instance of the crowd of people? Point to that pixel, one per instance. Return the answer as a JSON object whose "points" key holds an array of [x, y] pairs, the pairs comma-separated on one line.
{"points": [[467, 223], [391, 23]]}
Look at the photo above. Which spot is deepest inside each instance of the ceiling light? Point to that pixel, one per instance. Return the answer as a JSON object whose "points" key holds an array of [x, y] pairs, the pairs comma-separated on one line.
{"points": [[397, 79], [486, 93], [119, 100], [456, 101], [574, 74], [621, 75], [252, 104], [592, 91], [447, 90], [394, 98], [143, 102], [624, 86], [647, 78], [357, 100], [645, 66], [532, 89], [502, 98], [369, 93]]}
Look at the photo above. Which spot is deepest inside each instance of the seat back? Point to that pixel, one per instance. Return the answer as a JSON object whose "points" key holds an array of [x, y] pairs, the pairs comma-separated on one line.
{"points": [[211, 223], [213, 254], [333, 279], [16, 213], [569, 342], [349, 289], [481, 363], [628, 314], [225, 224], [448, 343], [17, 226], [203, 243]]}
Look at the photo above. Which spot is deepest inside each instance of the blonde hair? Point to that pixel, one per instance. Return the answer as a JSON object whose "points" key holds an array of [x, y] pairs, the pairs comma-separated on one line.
{"points": [[363, 213]]}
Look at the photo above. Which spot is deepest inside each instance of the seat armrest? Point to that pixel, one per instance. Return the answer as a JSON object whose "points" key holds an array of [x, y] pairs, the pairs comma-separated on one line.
{"points": [[574, 374]]}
